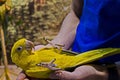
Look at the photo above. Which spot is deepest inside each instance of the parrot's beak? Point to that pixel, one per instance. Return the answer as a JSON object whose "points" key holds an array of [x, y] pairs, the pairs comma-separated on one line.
{"points": [[29, 46]]}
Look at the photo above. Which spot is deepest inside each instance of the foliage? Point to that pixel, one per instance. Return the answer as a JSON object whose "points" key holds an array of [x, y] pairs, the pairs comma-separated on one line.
{"points": [[5, 6]]}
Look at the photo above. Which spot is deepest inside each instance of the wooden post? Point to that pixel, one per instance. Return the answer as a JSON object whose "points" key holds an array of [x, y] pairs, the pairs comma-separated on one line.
{"points": [[4, 53]]}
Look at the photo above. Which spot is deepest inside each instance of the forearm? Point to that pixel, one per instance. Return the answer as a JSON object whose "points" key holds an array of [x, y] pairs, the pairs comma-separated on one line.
{"points": [[67, 32], [91, 72]]}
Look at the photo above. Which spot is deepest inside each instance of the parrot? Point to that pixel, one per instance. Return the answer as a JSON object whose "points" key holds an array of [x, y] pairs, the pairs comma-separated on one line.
{"points": [[42, 62]]}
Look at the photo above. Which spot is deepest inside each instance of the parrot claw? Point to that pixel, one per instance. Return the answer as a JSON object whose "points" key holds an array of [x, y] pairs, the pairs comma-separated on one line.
{"points": [[50, 65], [58, 46]]}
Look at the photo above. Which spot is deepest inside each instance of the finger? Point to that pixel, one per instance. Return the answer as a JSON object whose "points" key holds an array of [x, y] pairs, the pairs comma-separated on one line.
{"points": [[21, 76], [53, 76], [64, 75], [39, 47]]}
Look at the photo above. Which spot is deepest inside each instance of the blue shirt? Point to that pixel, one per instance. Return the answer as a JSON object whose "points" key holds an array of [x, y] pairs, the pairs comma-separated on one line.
{"points": [[99, 27]]}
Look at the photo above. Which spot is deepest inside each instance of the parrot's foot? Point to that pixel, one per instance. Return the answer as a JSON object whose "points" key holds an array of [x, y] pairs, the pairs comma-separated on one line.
{"points": [[50, 65], [58, 46]]}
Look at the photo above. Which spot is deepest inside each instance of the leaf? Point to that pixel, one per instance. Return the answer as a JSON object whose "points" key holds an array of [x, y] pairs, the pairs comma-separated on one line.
{"points": [[4, 7]]}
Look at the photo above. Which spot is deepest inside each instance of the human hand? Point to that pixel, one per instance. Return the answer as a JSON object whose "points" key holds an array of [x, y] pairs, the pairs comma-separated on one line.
{"points": [[22, 76], [85, 72], [42, 46], [39, 47]]}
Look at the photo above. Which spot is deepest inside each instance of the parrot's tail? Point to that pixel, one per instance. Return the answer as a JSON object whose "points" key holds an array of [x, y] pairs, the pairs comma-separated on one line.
{"points": [[93, 55]]}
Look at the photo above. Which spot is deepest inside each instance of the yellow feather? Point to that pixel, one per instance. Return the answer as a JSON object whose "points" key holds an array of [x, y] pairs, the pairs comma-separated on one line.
{"points": [[22, 58]]}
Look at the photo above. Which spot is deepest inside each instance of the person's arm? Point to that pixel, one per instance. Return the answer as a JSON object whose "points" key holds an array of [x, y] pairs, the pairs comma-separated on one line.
{"points": [[67, 32], [84, 72]]}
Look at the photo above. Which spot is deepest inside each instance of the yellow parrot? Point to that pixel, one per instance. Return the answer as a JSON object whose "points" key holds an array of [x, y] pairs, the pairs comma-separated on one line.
{"points": [[41, 63]]}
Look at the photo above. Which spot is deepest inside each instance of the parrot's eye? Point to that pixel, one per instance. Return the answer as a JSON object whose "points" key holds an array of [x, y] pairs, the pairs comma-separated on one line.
{"points": [[19, 48]]}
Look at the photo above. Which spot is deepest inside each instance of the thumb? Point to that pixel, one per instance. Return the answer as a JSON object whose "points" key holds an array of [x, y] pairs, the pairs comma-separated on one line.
{"points": [[21, 76]]}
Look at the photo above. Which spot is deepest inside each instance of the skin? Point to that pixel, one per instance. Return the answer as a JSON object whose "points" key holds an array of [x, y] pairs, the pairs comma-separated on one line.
{"points": [[68, 28]]}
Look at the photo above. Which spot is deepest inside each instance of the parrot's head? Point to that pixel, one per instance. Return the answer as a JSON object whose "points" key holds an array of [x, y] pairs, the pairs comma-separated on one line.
{"points": [[21, 50]]}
